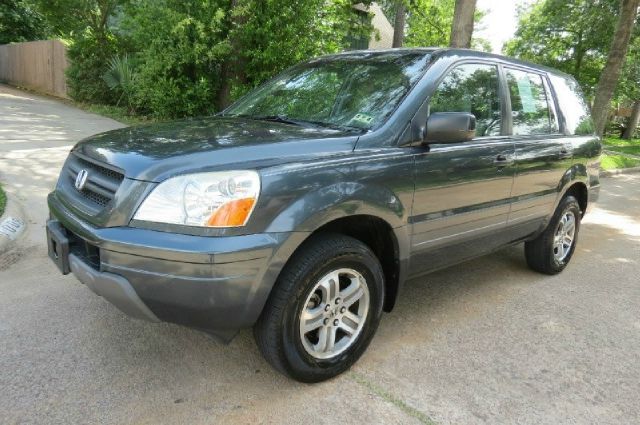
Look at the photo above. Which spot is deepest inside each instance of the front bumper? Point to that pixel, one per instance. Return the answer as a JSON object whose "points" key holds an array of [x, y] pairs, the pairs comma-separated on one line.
{"points": [[216, 284]]}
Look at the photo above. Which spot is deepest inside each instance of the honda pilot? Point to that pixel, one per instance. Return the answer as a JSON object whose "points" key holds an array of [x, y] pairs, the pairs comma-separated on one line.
{"points": [[302, 209]]}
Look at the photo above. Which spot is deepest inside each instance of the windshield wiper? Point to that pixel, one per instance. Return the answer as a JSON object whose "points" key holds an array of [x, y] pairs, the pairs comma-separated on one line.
{"points": [[277, 118], [300, 122], [335, 126]]}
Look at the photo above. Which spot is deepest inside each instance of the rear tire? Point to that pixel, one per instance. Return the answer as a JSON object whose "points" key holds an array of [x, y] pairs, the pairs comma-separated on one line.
{"points": [[324, 309], [552, 250]]}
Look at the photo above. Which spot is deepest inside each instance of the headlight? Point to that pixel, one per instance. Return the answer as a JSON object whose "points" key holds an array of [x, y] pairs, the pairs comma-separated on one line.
{"points": [[220, 199]]}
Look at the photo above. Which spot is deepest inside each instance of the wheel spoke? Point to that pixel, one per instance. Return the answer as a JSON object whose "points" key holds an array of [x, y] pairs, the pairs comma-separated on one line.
{"points": [[312, 319], [330, 287], [352, 293], [571, 225], [350, 323], [326, 339]]}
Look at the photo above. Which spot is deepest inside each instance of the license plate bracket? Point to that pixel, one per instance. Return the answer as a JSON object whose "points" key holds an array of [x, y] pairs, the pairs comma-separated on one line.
{"points": [[58, 245]]}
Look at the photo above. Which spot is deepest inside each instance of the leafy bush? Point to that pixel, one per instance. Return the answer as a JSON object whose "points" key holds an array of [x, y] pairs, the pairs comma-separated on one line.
{"points": [[179, 48], [89, 60]]}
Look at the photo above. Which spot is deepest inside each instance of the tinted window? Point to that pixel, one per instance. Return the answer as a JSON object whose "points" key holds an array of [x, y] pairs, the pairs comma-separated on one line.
{"points": [[349, 90], [575, 109], [471, 88], [529, 104]]}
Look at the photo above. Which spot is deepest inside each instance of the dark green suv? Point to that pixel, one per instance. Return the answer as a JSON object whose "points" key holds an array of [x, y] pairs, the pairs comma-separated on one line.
{"points": [[302, 209]]}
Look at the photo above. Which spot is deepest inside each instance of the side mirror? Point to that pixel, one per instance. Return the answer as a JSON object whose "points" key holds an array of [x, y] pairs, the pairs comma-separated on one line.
{"points": [[450, 127]]}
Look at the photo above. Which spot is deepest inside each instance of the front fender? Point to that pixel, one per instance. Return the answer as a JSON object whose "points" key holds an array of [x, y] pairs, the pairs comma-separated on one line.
{"points": [[343, 199]]}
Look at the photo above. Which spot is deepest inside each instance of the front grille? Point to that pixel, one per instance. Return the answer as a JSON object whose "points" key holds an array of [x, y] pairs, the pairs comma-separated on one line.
{"points": [[100, 187]]}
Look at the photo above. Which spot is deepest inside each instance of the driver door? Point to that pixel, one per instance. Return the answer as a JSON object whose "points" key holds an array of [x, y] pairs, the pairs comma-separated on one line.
{"points": [[462, 190]]}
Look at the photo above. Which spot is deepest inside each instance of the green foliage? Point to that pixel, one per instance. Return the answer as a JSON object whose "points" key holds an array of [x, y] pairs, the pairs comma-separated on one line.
{"points": [[3, 201], [72, 17], [89, 57], [612, 162], [186, 57], [429, 22], [275, 34], [631, 147], [628, 89], [20, 22], [178, 48], [85, 23], [117, 113], [120, 78], [186, 51], [572, 36]]}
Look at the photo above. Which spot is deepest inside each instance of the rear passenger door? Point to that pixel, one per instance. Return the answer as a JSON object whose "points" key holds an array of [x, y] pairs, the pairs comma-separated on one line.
{"points": [[541, 152]]}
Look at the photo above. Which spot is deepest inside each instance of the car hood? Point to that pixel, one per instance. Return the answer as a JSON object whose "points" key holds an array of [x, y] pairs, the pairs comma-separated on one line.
{"points": [[155, 152]]}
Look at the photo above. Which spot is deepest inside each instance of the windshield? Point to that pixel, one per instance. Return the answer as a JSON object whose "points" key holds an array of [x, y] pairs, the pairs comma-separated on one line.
{"points": [[350, 91]]}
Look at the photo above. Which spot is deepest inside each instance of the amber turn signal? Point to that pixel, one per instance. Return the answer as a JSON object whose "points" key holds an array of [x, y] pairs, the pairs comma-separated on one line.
{"points": [[232, 214]]}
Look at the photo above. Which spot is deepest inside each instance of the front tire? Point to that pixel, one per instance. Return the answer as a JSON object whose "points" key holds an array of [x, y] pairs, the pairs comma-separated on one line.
{"points": [[323, 310], [552, 250]]}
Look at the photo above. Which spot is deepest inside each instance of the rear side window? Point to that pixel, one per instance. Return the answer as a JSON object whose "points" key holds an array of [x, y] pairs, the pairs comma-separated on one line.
{"points": [[471, 88], [575, 110], [530, 104]]}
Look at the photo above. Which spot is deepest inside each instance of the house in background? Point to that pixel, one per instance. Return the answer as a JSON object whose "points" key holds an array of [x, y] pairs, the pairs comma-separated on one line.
{"points": [[382, 35]]}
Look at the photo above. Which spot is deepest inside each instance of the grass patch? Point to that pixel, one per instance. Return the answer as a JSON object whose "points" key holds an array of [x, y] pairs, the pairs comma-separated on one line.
{"points": [[117, 113], [611, 162], [3, 201], [631, 147], [382, 393]]}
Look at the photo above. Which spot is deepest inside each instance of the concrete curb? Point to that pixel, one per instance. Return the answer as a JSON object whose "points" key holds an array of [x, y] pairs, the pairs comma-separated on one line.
{"points": [[616, 171], [13, 214]]}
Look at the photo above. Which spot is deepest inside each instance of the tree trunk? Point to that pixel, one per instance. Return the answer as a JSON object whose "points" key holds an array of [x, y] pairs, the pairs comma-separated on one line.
{"points": [[398, 24], [462, 27], [611, 71], [579, 56], [633, 122]]}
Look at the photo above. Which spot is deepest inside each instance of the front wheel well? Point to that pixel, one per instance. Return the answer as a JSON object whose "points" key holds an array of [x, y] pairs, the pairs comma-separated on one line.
{"points": [[378, 235], [580, 192]]}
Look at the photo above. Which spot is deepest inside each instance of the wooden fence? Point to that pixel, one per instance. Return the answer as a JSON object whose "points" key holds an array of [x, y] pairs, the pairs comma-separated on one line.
{"points": [[37, 65]]}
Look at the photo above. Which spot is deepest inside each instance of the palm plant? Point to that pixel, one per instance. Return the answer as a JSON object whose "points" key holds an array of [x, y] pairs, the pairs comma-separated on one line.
{"points": [[120, 76]]}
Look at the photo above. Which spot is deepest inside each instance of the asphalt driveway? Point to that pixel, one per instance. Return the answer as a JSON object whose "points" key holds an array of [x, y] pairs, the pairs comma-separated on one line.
{"points": [[485, 342]]}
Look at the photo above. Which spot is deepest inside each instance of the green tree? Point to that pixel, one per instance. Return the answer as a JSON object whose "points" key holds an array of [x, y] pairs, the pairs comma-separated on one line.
{"points": [[429, 23], [628, 13], [19, 21], [572, 36], [628, 90]]}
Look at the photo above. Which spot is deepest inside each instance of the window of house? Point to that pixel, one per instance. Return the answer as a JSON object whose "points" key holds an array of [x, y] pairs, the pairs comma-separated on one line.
{"points": [[471, 88], [530, 109]]}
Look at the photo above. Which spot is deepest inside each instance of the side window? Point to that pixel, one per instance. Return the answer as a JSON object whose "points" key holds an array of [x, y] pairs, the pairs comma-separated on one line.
{"points": [[575, 110], [529, 104], [471, 88]]}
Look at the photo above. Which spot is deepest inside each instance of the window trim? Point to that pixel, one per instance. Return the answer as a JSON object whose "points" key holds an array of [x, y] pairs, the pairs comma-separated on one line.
{"points": [[548, 91], [502, 94]]}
